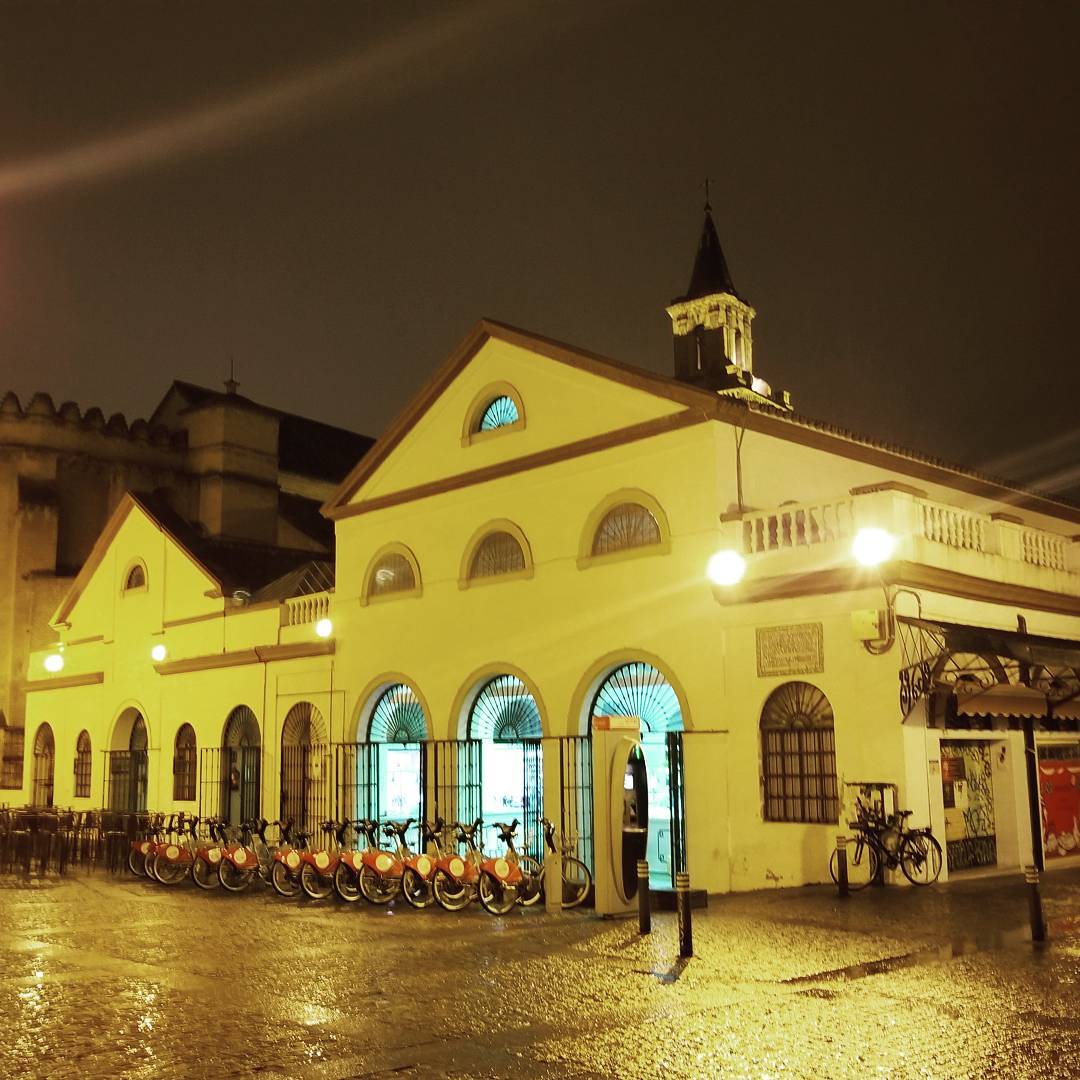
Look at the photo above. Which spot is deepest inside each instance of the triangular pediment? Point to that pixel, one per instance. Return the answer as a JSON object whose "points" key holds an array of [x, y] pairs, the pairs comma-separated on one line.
{"points": [[569, 401]]}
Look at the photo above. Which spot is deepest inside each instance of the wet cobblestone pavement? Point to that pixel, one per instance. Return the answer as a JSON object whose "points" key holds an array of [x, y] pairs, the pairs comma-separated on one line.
{"points": [[103, 977]]}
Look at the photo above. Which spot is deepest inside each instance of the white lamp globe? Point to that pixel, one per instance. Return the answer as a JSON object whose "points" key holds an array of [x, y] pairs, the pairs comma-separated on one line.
{"points": [[873, 546], [54, 662], [158, 653], [726, 568], [324, 628]]}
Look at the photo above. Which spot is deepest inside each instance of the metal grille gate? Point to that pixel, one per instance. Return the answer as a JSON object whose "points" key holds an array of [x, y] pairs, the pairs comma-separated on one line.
{"points": [[676, 787], [452, 779], [230, 783], [576, 804], [305, 785], [125, 777]]}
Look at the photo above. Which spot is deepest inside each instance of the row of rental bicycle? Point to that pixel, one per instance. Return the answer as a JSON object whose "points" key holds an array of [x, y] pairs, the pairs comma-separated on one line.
{"points": [[359, 859]]}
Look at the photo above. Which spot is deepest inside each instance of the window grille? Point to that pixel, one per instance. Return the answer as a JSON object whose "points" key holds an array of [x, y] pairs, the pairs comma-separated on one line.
{"points": [[505, 709], [502, 412], [398, 716], [184, 764], [136, 578], [498, 553], [638, 689], [628, 525], [798, 756], [83, 765], [391, 574]]}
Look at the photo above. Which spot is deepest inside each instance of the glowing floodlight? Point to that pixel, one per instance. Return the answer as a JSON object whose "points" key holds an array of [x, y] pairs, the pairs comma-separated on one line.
{"points": [[873, 546], [324, 628], [726, 568], [54, 662], [158, 653]]}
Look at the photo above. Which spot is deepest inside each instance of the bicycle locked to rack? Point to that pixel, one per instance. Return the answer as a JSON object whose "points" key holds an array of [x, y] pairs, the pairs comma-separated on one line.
{"points": [[882, 842]]}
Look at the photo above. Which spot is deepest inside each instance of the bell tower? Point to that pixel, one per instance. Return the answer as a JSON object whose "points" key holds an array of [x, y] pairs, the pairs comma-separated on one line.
{"points": [[712, 327]]}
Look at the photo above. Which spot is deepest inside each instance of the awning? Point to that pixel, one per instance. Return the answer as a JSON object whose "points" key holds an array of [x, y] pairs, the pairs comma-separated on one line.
{"points": [[990, 671]]}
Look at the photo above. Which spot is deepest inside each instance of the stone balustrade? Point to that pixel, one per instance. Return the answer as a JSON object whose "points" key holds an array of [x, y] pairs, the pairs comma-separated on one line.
{"points": [[305, 610]]}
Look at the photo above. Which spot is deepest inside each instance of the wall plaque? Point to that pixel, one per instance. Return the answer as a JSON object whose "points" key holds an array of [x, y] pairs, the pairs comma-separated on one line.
{"points": [[790, 650]]}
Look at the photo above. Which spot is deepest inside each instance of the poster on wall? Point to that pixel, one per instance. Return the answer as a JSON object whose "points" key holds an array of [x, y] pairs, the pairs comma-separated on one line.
{"points": [[1059, 786]]}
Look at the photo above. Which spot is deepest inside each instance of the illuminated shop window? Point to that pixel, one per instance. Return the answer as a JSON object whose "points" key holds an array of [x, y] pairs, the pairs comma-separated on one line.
{"points": [[798, 756]]}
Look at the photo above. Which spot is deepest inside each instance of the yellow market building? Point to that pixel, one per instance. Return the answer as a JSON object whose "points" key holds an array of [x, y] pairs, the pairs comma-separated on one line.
{"points": [[526, 548]]}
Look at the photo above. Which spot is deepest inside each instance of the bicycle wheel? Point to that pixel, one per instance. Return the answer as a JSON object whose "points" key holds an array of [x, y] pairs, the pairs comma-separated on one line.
{"points": [[376, 888], [204, 875], [576, 881], [169, 873], [136, 861], [232, 877], [862, 864], [920, 858], [450, 895], [531, 887], [346, 884], [315, 884], [416, 890], [284, 881], [496, 898]]}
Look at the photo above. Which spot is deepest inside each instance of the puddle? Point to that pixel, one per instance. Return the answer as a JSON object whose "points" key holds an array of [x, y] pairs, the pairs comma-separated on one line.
{"points": [[936, 954]]}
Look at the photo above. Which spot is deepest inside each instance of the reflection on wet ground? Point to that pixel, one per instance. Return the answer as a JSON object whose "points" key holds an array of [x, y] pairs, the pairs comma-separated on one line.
{"points": [[103, 977]]}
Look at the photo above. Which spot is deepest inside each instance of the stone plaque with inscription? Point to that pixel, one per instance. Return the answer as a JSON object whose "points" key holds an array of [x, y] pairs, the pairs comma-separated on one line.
{"points": [[790, 650]]}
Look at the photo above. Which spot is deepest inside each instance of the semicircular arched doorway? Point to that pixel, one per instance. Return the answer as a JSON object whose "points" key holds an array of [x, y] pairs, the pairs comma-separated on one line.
{"points": [[639, 689], [241, 766], [505, 721], [305, 769], [41, 791], [129, 768]]}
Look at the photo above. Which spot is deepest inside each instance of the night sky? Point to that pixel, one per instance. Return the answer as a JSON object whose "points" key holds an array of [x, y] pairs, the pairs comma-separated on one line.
{"points": [[332, 193]]}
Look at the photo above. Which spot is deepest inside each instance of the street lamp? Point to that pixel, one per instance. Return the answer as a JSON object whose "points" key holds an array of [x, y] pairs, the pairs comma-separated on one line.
{"points": [[158, 652], [324, 628], [726, 568], [873, 546], [54, 662]]}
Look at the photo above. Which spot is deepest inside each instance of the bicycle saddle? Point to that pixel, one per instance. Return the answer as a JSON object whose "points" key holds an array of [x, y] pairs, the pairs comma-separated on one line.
{"points": [[432, 830], [398, 828], [506, 831]]}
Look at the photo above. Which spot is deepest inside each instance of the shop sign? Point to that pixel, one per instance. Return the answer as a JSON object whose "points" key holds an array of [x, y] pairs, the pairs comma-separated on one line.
{"points": [[790, 650]]}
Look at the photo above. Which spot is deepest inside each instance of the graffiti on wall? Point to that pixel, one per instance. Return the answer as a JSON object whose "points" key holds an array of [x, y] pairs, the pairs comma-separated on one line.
{"points": [[967, 789]]}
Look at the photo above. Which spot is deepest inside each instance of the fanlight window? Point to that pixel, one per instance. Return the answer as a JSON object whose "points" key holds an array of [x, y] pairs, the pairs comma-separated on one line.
{"points": [[136, 578], [638, 689], [83, 765], [798, 756], [498, 553], [184, 760], [628, 525], [398, 716], [502, 412], [505, 709], [393, 573], [303, 726]]}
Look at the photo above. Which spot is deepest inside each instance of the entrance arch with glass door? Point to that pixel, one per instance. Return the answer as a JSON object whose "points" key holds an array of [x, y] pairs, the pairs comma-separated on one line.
{"points": [[639, 689], [505, 719]]}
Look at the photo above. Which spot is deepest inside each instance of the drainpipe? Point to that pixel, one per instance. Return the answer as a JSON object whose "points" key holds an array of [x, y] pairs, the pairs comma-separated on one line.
{"points": [[1038, 923]]}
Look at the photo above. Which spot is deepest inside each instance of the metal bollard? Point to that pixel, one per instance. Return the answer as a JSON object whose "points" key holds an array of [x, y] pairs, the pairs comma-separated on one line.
{"points": [[553, 887], [644, 900], [1035, 911], [682, 911], [841, 866]]}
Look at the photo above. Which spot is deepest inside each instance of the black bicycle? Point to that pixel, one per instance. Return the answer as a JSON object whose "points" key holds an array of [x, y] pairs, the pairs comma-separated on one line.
{"points": [[886, 843]]}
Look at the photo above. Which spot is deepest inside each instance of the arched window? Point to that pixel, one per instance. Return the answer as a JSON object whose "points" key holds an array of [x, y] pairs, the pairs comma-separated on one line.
{"points": [[627, 525], [41, 792], [304, 767], [398, 716], [83, 765], [638, 689], [498, 552], [184, 763], [503, 710], [393, 572], [798, 756], [495, 409], [501, 412], [136, 578]]}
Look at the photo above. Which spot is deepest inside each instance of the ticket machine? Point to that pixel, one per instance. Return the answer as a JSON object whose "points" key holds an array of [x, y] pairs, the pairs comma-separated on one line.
{"points": [[620, 811]]}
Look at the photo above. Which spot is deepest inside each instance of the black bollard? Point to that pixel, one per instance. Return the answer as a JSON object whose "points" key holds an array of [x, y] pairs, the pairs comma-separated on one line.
{"points": [[841, 866], [1035, 911], [682, 911], [644, 900]]}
